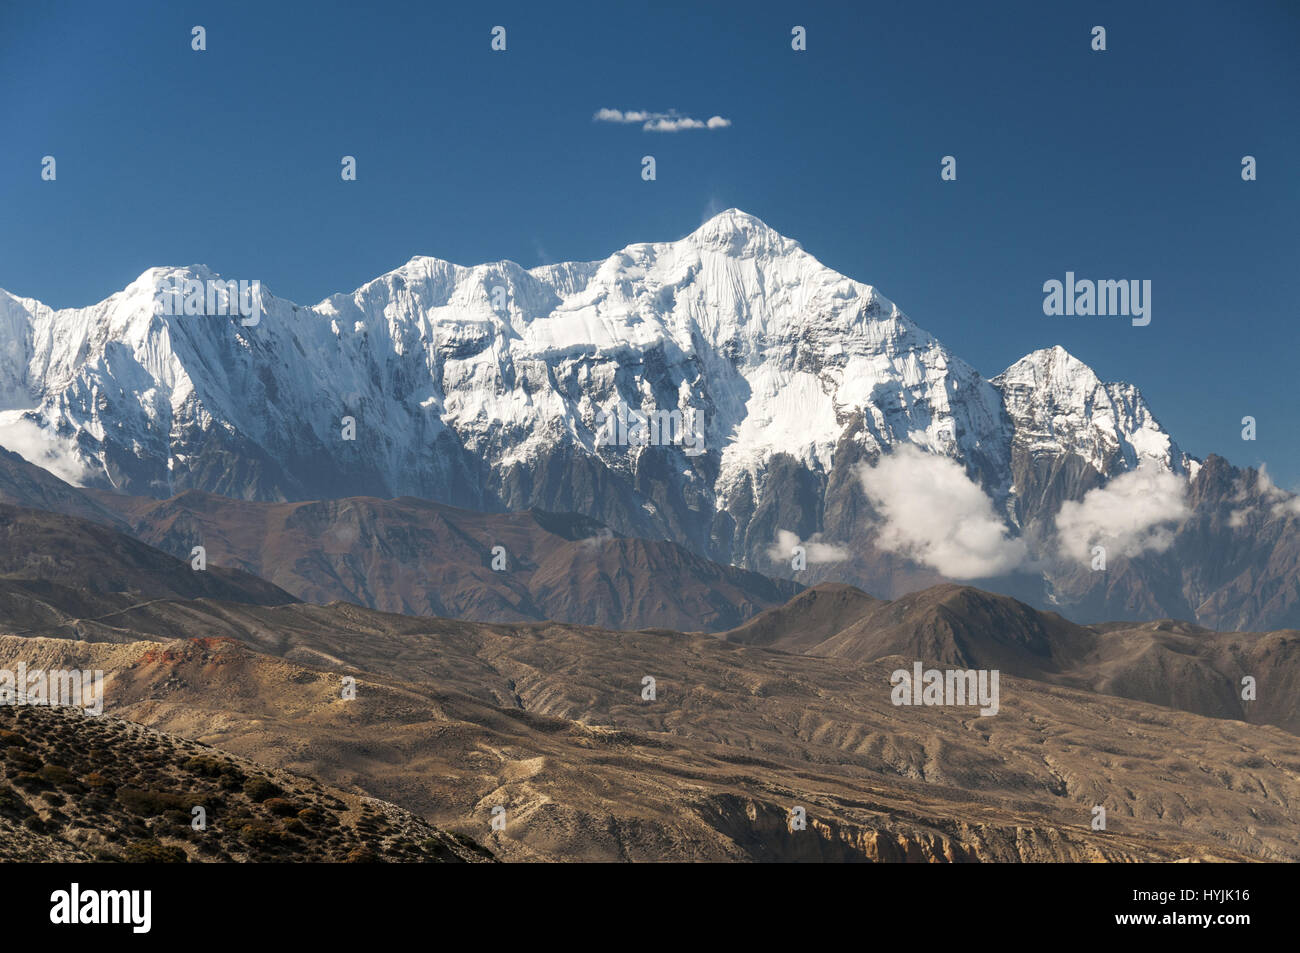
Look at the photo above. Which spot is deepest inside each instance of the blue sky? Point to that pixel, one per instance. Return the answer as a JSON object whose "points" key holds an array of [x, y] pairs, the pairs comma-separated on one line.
{"points": [[1122, 164]]}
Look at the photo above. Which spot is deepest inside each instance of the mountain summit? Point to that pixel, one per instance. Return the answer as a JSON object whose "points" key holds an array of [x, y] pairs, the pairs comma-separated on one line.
{"points": [[492, 387], [461, 378]]}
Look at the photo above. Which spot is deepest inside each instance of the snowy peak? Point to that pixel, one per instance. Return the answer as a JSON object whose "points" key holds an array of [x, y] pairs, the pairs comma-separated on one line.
{"points": [[1058, 404], [1050, 380], [733, 326], [740, 234], [1048, 364]]}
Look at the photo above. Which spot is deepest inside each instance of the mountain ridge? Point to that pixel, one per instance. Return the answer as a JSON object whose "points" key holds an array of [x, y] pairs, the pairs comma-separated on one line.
{"points": [[405, 555], [486, 387]]}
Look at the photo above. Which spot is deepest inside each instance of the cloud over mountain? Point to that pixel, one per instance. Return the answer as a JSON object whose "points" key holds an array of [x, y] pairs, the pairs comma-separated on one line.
{"points": [[483, 387], [935, 514], [1134, 513], [44, 447], [815, 550]]}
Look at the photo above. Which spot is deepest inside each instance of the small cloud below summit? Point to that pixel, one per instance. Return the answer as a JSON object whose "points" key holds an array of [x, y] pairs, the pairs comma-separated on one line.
{"points": [[43, 446], [671, 121], [933, 513], [815, 550], [713, 210], [1134, 513]]}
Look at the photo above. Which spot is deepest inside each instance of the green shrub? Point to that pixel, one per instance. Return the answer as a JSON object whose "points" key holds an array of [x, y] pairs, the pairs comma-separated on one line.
{"points": [[201, 764], [12, 803], [152, 852], [21, 758], [261, 789], [149, 803], [57, 775], [30, 782], [281, 807], [260, 834], [98, 782]]}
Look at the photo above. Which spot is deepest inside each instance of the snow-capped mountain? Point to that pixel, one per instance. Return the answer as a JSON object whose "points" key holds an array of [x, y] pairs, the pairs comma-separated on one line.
{"points": [[1057, 405], [492, 386], [773, 351]]}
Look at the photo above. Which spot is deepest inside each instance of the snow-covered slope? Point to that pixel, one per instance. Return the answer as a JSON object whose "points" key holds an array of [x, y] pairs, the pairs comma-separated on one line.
{"points": [[487, 386], [1058, 405]]}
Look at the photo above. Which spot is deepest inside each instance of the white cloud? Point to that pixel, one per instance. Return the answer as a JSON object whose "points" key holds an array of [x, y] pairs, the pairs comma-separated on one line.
{"points": [[1280, 501], [43, 447], [815, 551], [671, 121], [1290, 506], [934, 514], [1132, 514], [602, 536]]}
